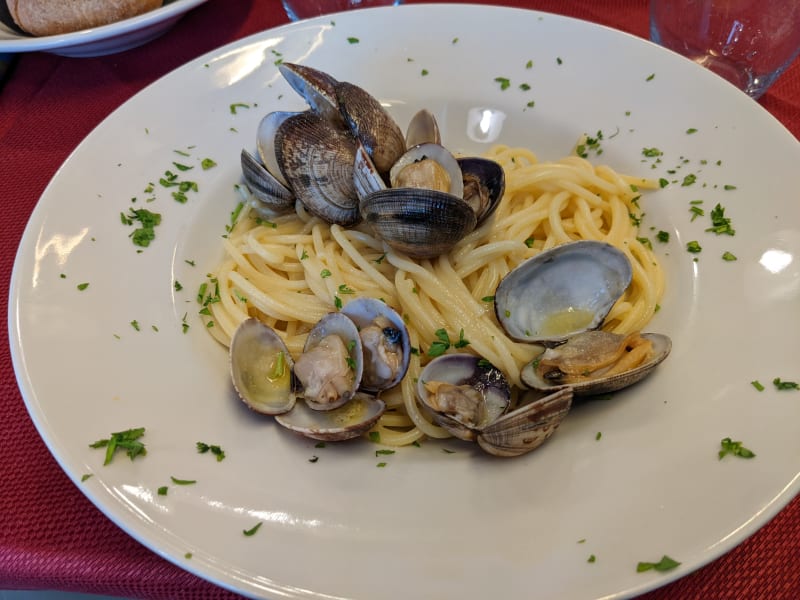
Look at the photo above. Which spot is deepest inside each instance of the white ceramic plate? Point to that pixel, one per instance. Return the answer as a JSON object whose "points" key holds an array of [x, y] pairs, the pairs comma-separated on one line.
{"points": [[431, 523], [97, 41]]}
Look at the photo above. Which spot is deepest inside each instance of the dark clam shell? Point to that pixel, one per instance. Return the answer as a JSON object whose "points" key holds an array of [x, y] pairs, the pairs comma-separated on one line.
{"points": [[484, 185], [316, 87], [317, 159], [264, 186], [371, 124], [417, 222]]}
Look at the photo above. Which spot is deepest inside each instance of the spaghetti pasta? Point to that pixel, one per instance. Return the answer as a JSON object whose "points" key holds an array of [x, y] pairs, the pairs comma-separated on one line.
{"points": [[293, 269]]}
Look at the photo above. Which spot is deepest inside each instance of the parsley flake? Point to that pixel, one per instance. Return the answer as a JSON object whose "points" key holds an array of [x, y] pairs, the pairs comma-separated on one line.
{"points": [[252, 531], [785, 385], [728, 446], [127, 440], [665, 564]]}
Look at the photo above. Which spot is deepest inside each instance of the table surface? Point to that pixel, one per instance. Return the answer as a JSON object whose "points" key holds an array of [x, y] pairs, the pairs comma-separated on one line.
{"points": [[51, 536]]}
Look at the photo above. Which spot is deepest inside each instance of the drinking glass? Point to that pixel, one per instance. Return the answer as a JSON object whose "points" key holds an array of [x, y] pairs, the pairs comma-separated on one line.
{"points": [[305, 9], [748, 42]]}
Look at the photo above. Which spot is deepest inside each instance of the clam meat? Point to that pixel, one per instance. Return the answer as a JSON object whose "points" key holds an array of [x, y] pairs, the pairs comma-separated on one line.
{"points": [[597, 362]]}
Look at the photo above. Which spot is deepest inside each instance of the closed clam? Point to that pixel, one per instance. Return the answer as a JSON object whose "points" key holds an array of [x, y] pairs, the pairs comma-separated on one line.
{"points": [[317, 159]]}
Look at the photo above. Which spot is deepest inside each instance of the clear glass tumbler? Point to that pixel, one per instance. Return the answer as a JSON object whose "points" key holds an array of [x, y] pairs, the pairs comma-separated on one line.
{"points": [[748, 42], [305, 9]]}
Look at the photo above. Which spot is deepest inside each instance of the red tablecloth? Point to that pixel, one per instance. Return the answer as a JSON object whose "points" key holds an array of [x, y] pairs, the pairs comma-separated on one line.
{"points": [[51, 536]]}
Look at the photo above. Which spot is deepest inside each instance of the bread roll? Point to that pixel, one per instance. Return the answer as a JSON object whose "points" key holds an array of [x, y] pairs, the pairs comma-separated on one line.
{"points": [[52, 17]]}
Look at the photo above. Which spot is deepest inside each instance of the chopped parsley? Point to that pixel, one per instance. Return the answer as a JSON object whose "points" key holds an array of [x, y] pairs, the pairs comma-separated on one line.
{"points": [[375, 436], [127, 440], [207, 164], [665, 564], [693, 247], [662, 236], [590, 144], [148, 221], [202, 448], [504, 82], [443, 342], [728, 446], [252, 531], [650, 77], [177, 481], [236, 106], [353, 40], [690, 179], [758, 385], [785, 385], [728, 256], [82, 286], [719, 222]]}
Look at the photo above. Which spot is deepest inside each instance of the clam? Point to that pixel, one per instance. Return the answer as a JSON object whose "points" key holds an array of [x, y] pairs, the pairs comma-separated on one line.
{"points": [[597, 362], [421, 223], [316, 87], [327, 374], [470, 398], [559, 299], [348, 421], [371, 124], [562, 291], [424, 213], [385, 343], [269, 193], [261, 368], [317, 159], [331, 366], [422, 129]]}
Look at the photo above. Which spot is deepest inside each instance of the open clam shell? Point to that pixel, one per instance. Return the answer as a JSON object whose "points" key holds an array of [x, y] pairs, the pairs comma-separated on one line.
{"points": [[348, 421], [385, 342], [261, 368], [484, 183], [465, 416], [434, 154], [600, 384], [332, 363], [562, 291]]}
